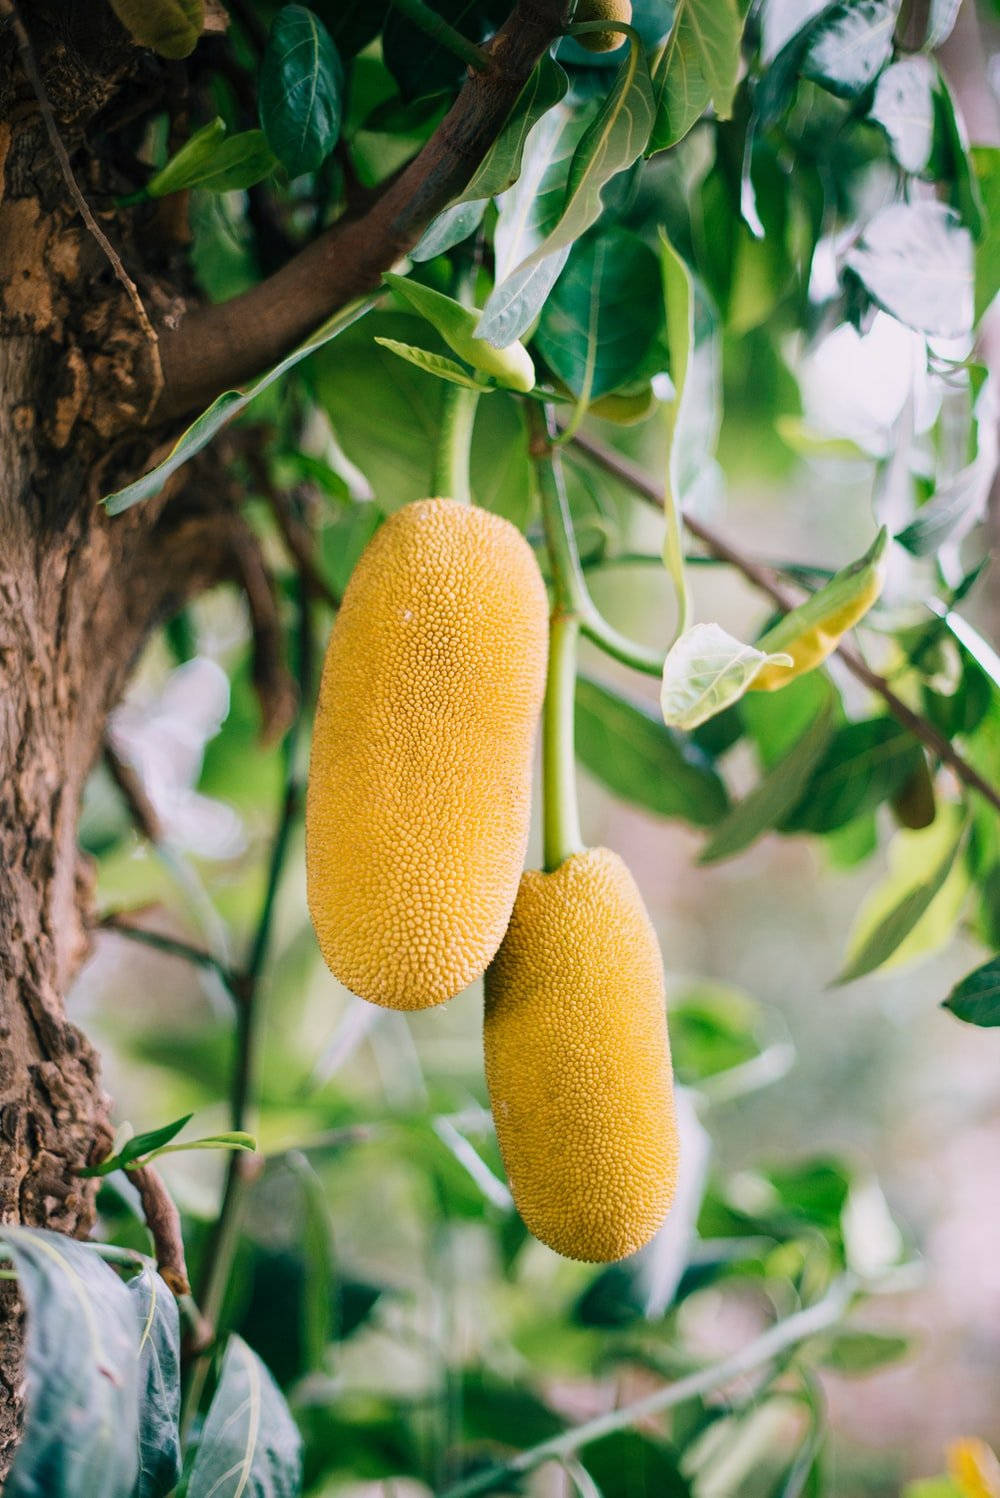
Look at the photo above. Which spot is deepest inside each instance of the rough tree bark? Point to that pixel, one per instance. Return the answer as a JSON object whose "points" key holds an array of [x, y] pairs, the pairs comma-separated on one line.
{"points": [[83, 404]]}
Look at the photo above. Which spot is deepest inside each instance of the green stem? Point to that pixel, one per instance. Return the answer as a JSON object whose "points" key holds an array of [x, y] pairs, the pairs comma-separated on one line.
{"points": [[436, 27], [561, 818], [451, 470], [764, 1349]]}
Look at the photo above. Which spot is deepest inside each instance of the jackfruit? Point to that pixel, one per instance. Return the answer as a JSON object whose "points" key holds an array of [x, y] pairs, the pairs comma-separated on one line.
{"points": [[578, 1061], [420, 779], [602, 10]]}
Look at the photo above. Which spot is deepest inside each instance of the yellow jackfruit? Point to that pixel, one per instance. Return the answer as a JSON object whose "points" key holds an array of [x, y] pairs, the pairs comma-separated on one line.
{"points": [[603, 10], [420, 779], [578, 1061]]}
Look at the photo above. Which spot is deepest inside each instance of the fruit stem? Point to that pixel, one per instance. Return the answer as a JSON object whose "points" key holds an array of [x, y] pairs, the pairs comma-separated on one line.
{"points": [[561, 817], [451, 470]]}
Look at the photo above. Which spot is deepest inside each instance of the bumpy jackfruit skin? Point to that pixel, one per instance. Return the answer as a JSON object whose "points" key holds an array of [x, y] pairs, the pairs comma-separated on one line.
{"points": [[420, 779], [578, 1061], [603, 10]]}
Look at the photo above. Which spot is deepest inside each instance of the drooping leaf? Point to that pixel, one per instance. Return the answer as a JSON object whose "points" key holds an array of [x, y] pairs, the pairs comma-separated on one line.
{"points": [[976, 999], [159, 1384], [216, 163], [812, 631], [81, 1436], [915, 260], [705, 671], [223, 409], [775, 795], [249, 1445], [300, 90], [904, 108], [626, 746], [501, 167], [170, 28], [864, 765], [870, 948], [697, 65], [510, 364], [598, 323], [613, 141]]}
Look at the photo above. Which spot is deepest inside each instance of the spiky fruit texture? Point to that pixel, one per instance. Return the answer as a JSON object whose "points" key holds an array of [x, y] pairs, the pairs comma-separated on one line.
{"points": [[603, 10], [578, 1061], [420, 780]]}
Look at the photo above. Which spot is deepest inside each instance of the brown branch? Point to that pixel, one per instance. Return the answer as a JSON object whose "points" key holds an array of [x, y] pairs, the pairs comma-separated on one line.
{"points": [[31, 72], [218, 346], [768, 582], [164, 1223], [273, 685]]}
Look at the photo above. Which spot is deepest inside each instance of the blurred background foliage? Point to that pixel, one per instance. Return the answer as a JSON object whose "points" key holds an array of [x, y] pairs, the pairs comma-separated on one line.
{"points": [[381, 1272]]}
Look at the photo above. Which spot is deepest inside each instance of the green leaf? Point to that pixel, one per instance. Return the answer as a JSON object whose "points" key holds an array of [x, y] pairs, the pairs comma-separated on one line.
{"points": [[699, 63], [986, 165], [193, 156], [861, 1352], [706, 670], [775, 795], [954, 507], [249, 1446], [232, 163], [915, 260], [865, 764], [501, 166], [136, 1145], [317, 1313], [300, 88], [457, 324], [627, 1463], [233, 1139], [941, 18], [626, 746], [597, 326], [904, 108], [224, 408], [613, 141], [159, 1384], [170, 28], [849, 45], [435, 364], [869, 949], [976, 999], [81, 1436]]}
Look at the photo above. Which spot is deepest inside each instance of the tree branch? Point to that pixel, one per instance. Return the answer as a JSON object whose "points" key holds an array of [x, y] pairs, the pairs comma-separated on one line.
{"points": [[768, 582], [218, 346]]}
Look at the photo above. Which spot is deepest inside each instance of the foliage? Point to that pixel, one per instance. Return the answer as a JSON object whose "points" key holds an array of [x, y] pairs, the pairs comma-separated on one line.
{"points": [[685, 235]]}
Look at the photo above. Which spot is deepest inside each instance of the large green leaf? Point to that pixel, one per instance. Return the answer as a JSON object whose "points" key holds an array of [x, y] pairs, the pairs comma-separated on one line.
{"points": [[976, 999], [300, 89], [626, 1464], [81, 1436], [599, 322], [249, 1445], [613, 141], [915, 260], [626, 746], [698, 64], [216, 162], [775, 795], [864, 765], [904, 107], [159, 1384], [850, 44], [222, 410]]}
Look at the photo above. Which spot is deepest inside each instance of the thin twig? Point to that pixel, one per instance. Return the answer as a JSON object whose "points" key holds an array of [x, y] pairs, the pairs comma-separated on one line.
{"points": [[769, 583], [764, 1349], [164, 1223], [119, 922], [141, 808], [45, 108]]}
